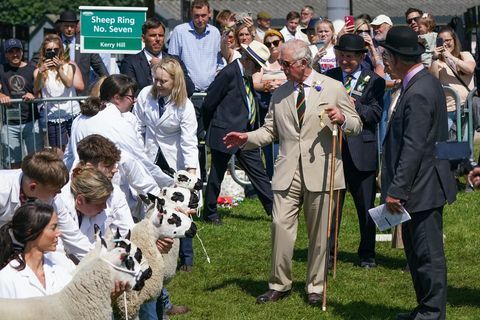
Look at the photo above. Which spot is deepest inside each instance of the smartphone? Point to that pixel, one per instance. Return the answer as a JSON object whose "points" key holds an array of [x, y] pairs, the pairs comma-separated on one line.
{"points": [[439, 42], [320, 44], [349, 21], [50, 54]]}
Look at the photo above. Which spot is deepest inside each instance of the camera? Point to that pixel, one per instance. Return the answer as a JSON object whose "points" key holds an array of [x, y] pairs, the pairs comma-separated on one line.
{"points": [[50, 54]]}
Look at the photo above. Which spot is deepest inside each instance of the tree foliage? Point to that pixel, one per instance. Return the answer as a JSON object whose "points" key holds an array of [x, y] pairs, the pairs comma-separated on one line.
{"points": [[31, 12]]}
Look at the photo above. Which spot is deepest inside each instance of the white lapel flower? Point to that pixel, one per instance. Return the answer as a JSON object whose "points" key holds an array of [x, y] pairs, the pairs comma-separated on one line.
{"points": [[363, 84]]}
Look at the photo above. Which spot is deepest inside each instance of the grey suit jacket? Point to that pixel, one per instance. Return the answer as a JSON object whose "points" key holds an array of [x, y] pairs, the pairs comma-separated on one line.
{"points": [[310, 144], [410, 170]]}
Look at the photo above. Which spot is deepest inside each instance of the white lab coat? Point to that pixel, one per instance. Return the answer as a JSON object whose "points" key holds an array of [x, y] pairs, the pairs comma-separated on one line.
{"points": [[175, 132], [72, 239], [25, 284], [111, 124], [116, 214]]}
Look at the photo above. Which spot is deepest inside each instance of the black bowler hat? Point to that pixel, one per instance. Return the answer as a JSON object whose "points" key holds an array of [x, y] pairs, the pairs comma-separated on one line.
{"points": [[351, 43], [404, 41], [68, 16]]}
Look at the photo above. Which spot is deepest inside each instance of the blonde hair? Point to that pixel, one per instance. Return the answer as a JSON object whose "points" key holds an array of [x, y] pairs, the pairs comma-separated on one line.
{"points": [[427, 20], [90, 183], [331, 27], [174, 69]]}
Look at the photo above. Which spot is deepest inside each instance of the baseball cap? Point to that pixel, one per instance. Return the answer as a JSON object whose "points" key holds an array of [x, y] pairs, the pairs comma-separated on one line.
{"points": [[13, 43], [381, 19], [264, 15]]}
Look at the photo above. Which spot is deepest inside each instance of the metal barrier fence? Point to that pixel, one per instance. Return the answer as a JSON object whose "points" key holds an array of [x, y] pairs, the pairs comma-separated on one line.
{"points": [[20, 138], [13, 111]]}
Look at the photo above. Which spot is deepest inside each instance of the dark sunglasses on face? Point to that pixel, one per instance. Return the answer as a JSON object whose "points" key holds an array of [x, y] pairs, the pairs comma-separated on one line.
{"points": [[409, 21], [275, 43]]}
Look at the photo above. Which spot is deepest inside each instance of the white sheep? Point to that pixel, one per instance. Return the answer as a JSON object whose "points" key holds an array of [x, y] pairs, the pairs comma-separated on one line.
{"points": [[158, 224], [87, 296]]}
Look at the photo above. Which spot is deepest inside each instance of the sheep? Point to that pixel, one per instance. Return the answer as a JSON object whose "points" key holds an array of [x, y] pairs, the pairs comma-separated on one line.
{"points": [[87, 296], [158, 223]]}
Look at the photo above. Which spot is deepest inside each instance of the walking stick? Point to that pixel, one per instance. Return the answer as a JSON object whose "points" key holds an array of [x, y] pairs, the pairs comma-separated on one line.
{"points": [[330, 206], [337, 213]]}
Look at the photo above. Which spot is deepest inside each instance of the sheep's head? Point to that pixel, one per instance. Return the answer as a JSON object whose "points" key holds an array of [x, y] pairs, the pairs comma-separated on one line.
{"points": [[169, 222], [185, 179], [127, 261]]}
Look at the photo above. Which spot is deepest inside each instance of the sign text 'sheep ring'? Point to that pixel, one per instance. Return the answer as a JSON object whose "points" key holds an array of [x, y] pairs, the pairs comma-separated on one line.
{"points": [[107, 24]]}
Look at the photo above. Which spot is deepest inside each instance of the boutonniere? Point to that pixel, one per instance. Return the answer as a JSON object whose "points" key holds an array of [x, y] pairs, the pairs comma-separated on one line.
{"points": [[77, 46], [317, 86], [363, 84]]}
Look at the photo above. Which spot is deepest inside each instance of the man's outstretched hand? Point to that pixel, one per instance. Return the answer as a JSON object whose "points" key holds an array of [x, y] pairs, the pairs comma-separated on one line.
{"points": [[235, 139]]}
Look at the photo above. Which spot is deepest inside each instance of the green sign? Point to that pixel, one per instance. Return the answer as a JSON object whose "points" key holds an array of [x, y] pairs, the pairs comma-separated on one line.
{"points": [[111, 29]]}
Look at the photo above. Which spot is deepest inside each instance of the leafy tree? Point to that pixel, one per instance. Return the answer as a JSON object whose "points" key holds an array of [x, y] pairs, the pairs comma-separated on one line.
{"points": [[31, 12]]}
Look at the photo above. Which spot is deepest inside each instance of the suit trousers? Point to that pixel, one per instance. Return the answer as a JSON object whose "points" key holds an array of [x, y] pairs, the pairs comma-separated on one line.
{"points": [[251, 162], [362, 186], [423, 241], [286, 209]]}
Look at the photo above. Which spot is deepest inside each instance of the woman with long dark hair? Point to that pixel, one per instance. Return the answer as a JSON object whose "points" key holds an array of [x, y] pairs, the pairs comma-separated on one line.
{"points": [[28, 271]]}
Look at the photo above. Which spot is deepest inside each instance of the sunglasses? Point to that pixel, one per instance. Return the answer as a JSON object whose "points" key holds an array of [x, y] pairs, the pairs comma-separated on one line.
{"points": [[409, 21], [287, 64], [275, 43]]}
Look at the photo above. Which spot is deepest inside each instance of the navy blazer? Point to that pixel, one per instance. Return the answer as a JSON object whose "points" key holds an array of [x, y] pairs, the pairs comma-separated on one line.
{"points": [[225, 107], [410, 170], [368, 104], [136, 66]]}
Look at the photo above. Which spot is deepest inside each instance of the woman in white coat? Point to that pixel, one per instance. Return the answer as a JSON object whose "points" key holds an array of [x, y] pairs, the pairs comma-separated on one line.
{"points": [[25, 240], [89, 194]]}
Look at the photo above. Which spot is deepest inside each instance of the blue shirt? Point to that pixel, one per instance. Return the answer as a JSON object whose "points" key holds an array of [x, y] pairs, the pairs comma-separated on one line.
{"points": [[199, 52], [355, 75]]}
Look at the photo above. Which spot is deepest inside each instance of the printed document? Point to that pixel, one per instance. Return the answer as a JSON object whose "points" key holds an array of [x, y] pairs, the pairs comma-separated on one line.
{"points": [[386, 220]]}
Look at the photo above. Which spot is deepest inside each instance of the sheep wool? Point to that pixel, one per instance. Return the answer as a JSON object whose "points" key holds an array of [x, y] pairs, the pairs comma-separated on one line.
{"points": [[86, 297]]}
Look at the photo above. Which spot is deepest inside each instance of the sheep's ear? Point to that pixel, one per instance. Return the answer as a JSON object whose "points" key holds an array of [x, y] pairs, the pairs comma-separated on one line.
{"points": [[128, 235], [128, 248], [117, 235], [104, 244]]}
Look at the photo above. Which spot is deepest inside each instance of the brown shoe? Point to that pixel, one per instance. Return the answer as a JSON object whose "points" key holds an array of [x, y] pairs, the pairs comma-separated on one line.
{"points": [[175, 310], [185, 268], [314, 299], [272, 296]]}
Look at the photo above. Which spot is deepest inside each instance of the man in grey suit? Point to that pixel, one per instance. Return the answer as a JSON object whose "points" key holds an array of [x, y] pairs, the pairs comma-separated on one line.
{"points": [[301, 116], [71, 42], [412, 176]]}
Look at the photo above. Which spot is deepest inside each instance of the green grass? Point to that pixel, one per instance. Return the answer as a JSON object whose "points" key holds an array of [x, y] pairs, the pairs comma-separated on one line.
{"points": [[240, 263]]}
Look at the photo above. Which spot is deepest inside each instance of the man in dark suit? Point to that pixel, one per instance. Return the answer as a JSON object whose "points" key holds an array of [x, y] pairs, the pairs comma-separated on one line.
{"points": [[138, 66], [359, 153], [71, 42], [231, 105], [412, 176]]}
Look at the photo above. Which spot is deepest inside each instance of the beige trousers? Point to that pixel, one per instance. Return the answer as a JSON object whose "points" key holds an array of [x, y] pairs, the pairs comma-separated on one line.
{"points": [[286, 209]]}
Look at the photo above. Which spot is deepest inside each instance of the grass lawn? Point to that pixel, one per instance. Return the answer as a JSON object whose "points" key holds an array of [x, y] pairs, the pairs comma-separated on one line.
{"points": [[240, 262]]}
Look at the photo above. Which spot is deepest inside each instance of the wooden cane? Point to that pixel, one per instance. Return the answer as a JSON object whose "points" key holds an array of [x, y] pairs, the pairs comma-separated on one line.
{"points": [[337, 214], [330, 207]]}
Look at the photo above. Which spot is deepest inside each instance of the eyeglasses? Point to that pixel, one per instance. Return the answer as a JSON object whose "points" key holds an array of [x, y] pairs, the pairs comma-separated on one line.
{"points": [[275, 43], [409, 21]]}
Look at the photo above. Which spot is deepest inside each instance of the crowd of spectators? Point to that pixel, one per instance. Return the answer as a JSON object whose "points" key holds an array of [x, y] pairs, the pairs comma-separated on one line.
{"points": [[151, 119]]}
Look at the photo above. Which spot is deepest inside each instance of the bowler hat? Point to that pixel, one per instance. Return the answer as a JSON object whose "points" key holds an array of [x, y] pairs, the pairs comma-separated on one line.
{"points": [[403, 41], [351, 43], [68, 16], [258, 52], [311, 25]]}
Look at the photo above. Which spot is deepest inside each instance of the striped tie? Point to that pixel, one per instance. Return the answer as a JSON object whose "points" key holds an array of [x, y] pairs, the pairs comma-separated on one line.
{"points": [[300, 104], [348, 83], [251, 101], [66, 54]]}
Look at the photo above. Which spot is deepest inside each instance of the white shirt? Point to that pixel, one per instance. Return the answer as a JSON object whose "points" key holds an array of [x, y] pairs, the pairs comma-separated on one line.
{"points": [[112, 124], [298, 35], [116, 214], [75, 242], [16, 284]]}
